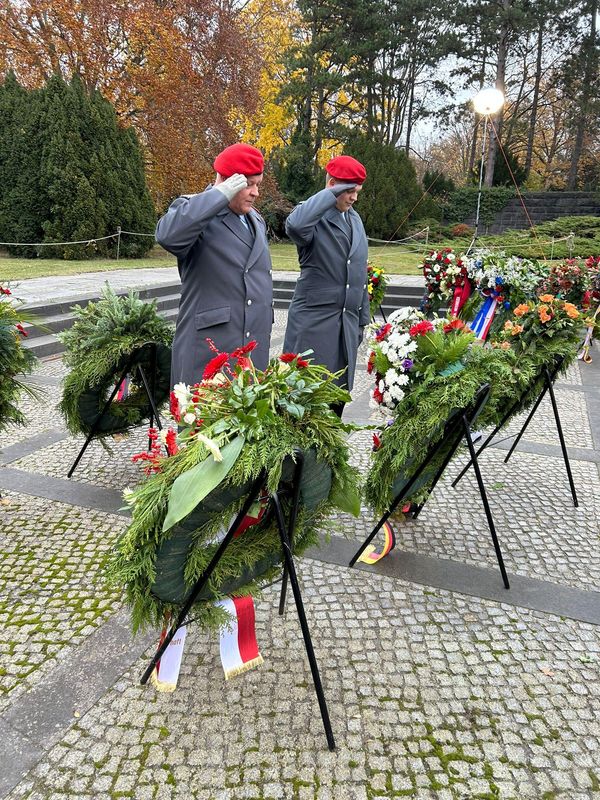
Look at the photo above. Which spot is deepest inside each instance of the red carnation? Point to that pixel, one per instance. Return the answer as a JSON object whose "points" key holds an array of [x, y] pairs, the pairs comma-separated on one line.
{"points": [[421, 328], [214, 366], [174, 407]]}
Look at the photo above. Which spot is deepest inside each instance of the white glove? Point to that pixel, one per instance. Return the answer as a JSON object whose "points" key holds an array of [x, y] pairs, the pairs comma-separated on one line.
{"points": [[231, 186], [340, 188]]}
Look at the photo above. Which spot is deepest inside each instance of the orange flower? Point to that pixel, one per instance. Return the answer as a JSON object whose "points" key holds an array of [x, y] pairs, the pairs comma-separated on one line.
{"points": [[508, 325], [516, 330], [505, 346], [543, 314], [571, 310], [522, 309], [547, 298]]}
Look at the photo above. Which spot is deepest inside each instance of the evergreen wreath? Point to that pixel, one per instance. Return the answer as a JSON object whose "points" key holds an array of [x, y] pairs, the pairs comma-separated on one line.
{"points": [[99, 345], [235, 424], [14, 360]]}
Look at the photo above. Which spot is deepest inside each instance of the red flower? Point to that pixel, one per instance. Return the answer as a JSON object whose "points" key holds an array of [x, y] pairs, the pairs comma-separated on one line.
{"points": [[376, 442], [377, 395], [371, 362], [383, 332], [244, 362], [214, 366], [174, 408], [4, 291], [21, 330], [247, 348], [171, 442], [421, 328], [287, 358], [455, 325]]}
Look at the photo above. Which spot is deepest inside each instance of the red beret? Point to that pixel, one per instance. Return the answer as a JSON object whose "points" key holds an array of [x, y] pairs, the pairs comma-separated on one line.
{"points": [[239, 158], [346, 168]]}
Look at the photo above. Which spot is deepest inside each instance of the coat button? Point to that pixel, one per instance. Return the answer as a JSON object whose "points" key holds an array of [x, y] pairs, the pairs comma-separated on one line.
{"points": [[347, 262], [344, 310], [249, 302], [347, 286], [270, 271], [365, 286], [247, 334]]}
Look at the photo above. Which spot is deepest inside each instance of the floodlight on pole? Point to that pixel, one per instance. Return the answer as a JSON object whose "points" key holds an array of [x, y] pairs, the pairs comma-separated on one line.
{"points": [[486, 103]]}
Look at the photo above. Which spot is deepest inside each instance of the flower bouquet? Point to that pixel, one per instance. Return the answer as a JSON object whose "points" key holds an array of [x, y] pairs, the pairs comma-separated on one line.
{"points": [[503, 282], [447, 281], [570, 281], [235, 425], [376, 286], [14, 360]]}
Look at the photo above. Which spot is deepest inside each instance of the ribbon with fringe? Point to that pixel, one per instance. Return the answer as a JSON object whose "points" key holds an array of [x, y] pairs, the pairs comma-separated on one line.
{"points": [[166, 673], [238, 646], [370, 555]]}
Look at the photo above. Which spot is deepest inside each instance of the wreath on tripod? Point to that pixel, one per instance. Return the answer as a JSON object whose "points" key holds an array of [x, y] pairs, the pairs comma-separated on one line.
{"points": [[106, 337], [239, 423]]}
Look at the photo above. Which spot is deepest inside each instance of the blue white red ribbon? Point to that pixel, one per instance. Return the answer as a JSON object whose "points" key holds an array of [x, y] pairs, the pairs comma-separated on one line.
{"points": [[482, 322], [239, 648], [370, 554]]}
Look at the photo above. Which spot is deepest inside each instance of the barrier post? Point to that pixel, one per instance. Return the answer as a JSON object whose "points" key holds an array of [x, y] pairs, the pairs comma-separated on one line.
{"points": [[118, 240]]}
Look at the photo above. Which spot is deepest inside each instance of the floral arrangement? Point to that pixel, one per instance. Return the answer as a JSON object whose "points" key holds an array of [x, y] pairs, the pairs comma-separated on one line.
{"points": [[237, 423], [98, 346], [444, 273], [376, 286], [410, 348], [538, 326], [14, 360], [571, 281]]}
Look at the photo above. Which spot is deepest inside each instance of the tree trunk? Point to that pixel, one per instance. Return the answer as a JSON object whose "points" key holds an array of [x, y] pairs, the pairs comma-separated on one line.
{"points": [[590, 50], [500, 79], [535, 100]]}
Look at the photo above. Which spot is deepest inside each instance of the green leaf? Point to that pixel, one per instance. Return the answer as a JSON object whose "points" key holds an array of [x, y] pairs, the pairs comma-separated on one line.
{"points": [[346, 498], [193, 486]]}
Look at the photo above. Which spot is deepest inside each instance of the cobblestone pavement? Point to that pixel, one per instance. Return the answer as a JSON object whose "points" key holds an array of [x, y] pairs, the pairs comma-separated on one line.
{"points": [[433, 694]]}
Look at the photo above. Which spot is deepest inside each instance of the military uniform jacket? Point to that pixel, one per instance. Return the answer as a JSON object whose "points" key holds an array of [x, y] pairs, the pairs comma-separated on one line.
{"points": [[331, 303], [226, 281]]}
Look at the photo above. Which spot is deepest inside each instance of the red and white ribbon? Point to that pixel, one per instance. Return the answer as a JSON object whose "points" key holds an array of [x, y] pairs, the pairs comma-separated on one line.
{"points": [[239, 648]]}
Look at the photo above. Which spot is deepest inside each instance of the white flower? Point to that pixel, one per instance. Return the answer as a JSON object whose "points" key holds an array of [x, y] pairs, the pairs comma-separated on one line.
{"points": [[181, 392], [397, 393], [401, 314], [189, 418], [403, 379], [381, 386], [210, 445], [128, 496], [387, 398]]}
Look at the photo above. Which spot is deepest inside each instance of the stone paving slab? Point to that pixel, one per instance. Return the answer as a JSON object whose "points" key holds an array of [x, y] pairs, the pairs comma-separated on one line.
{"points": [[431, 695]]}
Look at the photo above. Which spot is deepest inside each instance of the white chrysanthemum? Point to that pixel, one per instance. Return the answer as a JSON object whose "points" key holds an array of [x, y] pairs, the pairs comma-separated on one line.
{"points": [[396, 393], [403, 379], [411, 347], [391, 376], [387, 397], [381, 386], [400, 314], [189, 418]]}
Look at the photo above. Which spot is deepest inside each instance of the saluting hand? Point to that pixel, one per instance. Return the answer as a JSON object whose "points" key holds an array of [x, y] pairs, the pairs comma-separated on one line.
{"points": [[231, 186], [340, 188]]}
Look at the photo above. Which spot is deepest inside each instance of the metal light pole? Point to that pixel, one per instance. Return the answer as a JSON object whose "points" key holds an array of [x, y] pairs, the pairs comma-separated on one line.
{"points": [[486, 103]]}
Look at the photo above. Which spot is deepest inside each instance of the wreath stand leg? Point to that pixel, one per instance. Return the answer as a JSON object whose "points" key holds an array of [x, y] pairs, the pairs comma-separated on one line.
{"points": [[286, 537], [149, 393], [549, 379], [459, 425]]}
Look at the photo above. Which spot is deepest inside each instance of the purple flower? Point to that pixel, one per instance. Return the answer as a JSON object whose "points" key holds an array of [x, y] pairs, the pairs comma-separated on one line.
{"points": [[407, 363]]}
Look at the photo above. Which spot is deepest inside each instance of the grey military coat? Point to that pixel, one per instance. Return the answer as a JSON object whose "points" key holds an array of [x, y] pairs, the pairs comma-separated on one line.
{"points": [[331, 303], [226, 281]]}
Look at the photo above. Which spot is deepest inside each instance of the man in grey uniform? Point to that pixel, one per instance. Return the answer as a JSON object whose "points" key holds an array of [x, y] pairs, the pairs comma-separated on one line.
{"points": [[224, 263], [330, 306]]}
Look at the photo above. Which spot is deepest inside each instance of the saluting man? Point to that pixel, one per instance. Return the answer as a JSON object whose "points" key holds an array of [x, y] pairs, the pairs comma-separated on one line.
{"points": [[224, 264], [330, 306]]}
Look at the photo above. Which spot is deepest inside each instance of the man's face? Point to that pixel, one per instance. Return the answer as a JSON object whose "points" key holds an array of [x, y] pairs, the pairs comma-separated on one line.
{"points": [[244, 200], [347, 199]]}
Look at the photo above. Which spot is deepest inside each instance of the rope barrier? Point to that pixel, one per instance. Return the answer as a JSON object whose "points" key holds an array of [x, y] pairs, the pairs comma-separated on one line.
{"points": [[58, 244]]}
